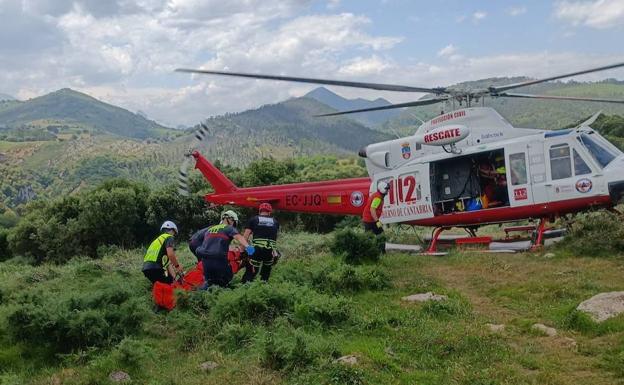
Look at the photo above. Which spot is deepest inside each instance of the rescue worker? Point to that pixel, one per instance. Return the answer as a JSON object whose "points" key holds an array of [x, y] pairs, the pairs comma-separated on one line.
{"points": [[374, 208], [160, 263], [214, 249], [196, 240], [263, 228]]}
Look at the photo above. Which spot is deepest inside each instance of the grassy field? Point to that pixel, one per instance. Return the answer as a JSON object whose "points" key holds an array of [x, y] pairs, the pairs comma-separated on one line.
{"points": [[314, 310]]}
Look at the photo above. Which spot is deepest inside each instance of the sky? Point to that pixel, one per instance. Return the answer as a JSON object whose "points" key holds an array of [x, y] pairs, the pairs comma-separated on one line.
{"points": [[124, 52]]}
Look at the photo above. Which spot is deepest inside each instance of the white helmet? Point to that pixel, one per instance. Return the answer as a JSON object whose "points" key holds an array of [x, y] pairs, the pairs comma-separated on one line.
{"points": [[230, 214], [383, 187], [168, 225]]}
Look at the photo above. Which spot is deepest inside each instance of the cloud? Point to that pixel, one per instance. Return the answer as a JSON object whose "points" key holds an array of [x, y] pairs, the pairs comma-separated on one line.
{"points": [[517, 11], [448, 50], [359, 67], [478, 16], [333, 4], [599, 14], [125, 53]]}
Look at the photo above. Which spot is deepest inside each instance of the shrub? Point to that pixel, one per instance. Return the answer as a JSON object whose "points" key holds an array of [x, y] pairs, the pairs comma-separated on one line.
{"points": [[234, 336], [256, 302], [340, 374], [81, 319], [288, 348], [595, 234], [357, 247], [262, 303], [323, 310], [131, 353], [333, 276], [190, 330]]}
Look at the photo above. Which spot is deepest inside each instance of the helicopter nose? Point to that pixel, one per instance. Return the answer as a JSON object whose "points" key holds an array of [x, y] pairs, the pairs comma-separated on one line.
{"points": [[616, 191]]}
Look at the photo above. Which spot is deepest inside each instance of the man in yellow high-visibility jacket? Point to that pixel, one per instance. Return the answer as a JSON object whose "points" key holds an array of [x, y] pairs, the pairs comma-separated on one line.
{"points": [[160, 263]]}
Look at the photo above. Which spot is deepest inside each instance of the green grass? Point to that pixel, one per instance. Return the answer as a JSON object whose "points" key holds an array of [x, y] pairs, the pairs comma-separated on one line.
{"points": [[302, 323]]}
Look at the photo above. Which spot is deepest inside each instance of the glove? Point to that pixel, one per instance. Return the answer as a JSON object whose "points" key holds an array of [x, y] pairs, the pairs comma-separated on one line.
{"points": [[250, 250], [379, 224]]}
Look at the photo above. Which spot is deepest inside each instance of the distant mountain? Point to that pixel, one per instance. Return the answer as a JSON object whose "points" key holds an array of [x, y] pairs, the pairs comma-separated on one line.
{"points": [[6, 97], [74, 112], [531, 113], [337, 102], [288, 128]]}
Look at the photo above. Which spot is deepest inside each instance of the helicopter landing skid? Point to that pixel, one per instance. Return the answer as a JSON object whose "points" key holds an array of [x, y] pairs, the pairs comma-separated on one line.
{"points": [[535, 244]]}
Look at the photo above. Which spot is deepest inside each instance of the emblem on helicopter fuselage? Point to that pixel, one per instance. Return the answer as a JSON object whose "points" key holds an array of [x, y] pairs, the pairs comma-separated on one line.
{"points": [[357, 199], [583, 185], [406, 151]]}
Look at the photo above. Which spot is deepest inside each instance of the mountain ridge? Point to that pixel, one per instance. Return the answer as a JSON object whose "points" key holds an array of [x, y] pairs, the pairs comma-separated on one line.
{"points": [[74, 111]]}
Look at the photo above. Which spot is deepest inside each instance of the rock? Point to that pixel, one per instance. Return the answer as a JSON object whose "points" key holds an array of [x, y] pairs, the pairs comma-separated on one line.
{"points": [[119, 376], [551, 332], [496, 328], [569, 342], [389, 351], [208, 366], [428, 296], [549, 255], [603, 306], [347, 360]]}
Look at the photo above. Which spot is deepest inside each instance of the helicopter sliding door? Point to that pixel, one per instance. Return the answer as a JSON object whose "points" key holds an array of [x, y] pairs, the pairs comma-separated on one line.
{"points": [[409, 197], [518, 183]]}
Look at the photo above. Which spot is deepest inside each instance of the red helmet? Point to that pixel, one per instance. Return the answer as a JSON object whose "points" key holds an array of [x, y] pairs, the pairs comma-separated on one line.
{"points": [[265, 207]]}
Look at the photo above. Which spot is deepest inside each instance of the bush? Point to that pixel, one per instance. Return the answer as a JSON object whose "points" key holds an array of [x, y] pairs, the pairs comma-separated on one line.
{"points": [[256, 302], [131, 353], [595, 234], [357, 247], [233, 336], [333, 276], [82, 319], [323, 310], [261, 303], [340, 374], [288, 348]]}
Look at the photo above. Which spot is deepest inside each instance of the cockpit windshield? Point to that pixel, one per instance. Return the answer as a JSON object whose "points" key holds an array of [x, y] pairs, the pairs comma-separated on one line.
{"points": [[600, 153]]}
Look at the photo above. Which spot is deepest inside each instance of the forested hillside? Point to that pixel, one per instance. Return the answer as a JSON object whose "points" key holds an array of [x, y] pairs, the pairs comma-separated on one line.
{"points": [[47, 161], [70, 113]]}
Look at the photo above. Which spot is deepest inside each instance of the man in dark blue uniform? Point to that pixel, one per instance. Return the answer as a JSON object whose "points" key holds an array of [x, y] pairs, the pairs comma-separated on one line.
{"points": [[196, 240], [264, 230], [214, 249]]}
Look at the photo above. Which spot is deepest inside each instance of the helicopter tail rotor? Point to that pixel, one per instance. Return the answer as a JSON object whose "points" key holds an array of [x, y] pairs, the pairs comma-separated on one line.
{"points": [[183, 172], [183, 186]]}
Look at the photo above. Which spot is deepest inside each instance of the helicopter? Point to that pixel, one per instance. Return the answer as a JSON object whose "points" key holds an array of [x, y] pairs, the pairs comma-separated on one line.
{"points": [[465, 168]]}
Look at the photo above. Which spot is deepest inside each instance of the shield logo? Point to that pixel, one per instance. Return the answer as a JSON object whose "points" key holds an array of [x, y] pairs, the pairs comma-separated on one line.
{"points": [[583, 185], [406, 151], [357, 199]]}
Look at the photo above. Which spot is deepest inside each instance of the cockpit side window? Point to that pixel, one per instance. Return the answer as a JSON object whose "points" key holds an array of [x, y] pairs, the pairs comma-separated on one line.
{"points": [[601, 155], [560, 163], [580, 167]]}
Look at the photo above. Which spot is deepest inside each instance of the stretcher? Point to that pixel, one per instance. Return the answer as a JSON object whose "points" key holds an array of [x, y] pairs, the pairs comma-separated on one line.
{"points": [[164, 293]]}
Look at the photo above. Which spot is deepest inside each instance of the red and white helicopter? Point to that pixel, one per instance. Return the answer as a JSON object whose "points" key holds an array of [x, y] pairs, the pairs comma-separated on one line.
{"points": [[464, 168]]}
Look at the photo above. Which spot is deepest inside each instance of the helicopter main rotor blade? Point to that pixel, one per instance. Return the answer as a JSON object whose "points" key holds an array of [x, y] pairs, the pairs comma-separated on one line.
{"points": [[373, 86], [554, 97], [389, 107], [496, 90]]}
